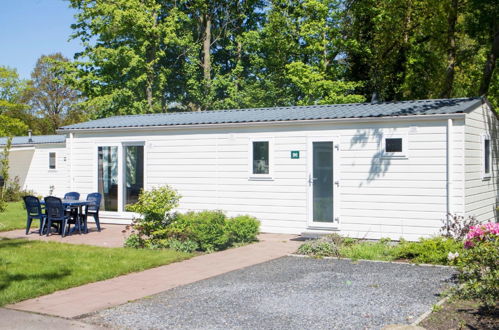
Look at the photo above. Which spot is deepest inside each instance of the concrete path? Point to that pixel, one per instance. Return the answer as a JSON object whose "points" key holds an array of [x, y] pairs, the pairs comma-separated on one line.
{"points": [[109, 236], [92, 297], [16, 320]]}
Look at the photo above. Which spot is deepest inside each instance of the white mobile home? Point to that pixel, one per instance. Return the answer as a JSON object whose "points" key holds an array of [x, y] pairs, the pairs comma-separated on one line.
{"points": [[364, 170], [39, 163]]}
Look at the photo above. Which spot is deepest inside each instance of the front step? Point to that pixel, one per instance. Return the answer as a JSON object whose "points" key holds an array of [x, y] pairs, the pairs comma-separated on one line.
{"points": [[315, 233]]}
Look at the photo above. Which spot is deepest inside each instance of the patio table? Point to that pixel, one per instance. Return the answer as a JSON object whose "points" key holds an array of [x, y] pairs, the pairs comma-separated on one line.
{"points": [[75, 204]]}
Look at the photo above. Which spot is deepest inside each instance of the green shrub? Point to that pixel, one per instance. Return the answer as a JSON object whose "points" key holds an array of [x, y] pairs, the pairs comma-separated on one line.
{"points": [[134, 241], [428, 250], [206, 228], [242, 229], [154, 207], [319, 248], [188, 246], [478, 265]]}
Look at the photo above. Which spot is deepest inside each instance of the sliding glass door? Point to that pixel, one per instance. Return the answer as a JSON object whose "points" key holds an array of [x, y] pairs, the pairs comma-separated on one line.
{"points": [[120, 175], [108, 177], [134, 173]]}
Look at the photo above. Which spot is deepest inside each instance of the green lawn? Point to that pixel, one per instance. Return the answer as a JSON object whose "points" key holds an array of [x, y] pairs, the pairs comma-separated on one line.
{"points": [[30, 269], [14, 217]]}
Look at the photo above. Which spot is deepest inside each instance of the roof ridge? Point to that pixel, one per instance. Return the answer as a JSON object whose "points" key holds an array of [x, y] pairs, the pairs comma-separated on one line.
{"points": [[281, 113]]}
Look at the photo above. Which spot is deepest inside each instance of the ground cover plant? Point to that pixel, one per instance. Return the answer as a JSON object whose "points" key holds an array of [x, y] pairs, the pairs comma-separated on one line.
{"points": [[433, 250], [14, 217], [158, 227], [30, 269]]}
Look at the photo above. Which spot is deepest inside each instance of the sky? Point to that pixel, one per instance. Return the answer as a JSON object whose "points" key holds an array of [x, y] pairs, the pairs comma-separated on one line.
{"points": [[31, 28]]}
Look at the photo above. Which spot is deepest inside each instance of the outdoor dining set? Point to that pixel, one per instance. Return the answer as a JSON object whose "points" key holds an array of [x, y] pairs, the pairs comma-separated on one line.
{"points": [[62, 213]]}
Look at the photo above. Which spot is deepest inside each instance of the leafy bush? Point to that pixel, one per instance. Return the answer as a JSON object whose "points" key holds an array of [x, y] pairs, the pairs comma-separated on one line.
{"points": [[154, 206], [134, 241], [183, 246], [478, 265], [428, 250], [158, 228], [457, 226], [319, 248], [207, 228], [12, 191], [242, 229]]}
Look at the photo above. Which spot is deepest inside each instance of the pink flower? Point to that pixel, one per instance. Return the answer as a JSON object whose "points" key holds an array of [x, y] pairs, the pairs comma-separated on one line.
{"points": [[481, 233], [468, 244]]}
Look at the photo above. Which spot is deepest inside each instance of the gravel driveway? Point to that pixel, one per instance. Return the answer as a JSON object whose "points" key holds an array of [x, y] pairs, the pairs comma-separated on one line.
{"points": [[290, 293]]}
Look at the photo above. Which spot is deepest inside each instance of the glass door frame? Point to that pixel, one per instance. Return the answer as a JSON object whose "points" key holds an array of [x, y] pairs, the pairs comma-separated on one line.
{"points": [[309, 181], [123, 169], [121, 172]]}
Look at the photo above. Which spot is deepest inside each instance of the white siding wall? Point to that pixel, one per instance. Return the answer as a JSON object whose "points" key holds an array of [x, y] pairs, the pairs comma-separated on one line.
{"points": [[31, 165], [481, 194], [378, 197]]}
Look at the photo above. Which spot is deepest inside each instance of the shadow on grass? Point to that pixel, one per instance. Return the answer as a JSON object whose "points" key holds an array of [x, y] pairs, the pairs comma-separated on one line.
{"points": [[7, 279]]}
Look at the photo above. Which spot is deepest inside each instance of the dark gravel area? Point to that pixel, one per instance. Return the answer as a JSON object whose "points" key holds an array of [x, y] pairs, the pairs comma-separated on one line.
{"points": [[291, 293]]}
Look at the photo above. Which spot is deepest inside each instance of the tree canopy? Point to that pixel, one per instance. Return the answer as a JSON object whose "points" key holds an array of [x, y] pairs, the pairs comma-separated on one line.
{"points": [[144, 56], [148, 56]]}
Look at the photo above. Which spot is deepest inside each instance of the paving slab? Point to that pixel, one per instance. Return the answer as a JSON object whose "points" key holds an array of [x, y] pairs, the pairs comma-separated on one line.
{"points": [[292, 293], [92, 297], [17, 320]]}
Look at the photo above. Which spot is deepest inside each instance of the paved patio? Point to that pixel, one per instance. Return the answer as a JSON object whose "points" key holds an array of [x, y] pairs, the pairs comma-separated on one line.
{"points": [[109, 236], [100, 295]]}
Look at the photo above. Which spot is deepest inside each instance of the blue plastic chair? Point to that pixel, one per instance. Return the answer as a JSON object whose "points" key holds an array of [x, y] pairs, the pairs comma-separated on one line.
{"points": [[34, 211], [54, 209], [93, 209], [73, 195]]}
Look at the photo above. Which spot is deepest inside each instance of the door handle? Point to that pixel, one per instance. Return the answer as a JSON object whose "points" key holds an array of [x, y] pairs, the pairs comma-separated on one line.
{"points": [[311, 179]]}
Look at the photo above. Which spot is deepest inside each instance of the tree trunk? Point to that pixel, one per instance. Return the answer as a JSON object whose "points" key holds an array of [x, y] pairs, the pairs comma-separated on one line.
{"points": [[151, 59], [325, 59], [206, 48], [451, 50], [490, 64]]}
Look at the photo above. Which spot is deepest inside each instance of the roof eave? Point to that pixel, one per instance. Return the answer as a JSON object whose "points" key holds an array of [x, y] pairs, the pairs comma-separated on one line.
{"points": [[271, 123]]}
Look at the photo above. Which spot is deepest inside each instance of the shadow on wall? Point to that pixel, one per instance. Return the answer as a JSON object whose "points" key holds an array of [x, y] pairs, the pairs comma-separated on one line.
{"points": [[20, 162], [379, 164], [492, 120]]}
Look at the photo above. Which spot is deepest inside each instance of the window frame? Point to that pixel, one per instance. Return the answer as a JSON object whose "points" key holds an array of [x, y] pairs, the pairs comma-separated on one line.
{"points": [[55, 161], [396, 155], [486, 176], [254, 176], [121, 212]]}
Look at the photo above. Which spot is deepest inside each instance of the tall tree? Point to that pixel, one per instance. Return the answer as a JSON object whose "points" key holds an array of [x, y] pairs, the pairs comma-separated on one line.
{"points": [[483, 25], [50, 96], [13, 111]]}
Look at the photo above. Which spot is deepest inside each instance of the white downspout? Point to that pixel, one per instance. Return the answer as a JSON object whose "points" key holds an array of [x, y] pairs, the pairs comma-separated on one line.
{"points": [[450, 159], [71, 161]]}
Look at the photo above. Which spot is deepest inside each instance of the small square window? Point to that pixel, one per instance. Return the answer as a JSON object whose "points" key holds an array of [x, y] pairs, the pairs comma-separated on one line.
{"points": [[393, 145], [261, 164], [52, 160]]}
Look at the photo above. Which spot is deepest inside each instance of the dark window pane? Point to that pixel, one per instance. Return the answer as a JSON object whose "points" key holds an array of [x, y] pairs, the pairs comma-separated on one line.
{"points": [[486, 158], [108, 177], [322, 182], [134, 173], [261, 157], [393, 145], [52, 160]]}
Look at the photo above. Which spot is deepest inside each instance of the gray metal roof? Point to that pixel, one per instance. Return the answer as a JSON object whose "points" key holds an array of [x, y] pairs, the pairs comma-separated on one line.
{"points": [[35, 139], [291, 113]]}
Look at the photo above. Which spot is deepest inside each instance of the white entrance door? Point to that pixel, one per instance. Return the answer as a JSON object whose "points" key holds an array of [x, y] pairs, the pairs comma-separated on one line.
{"points": [[321, 183]]}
